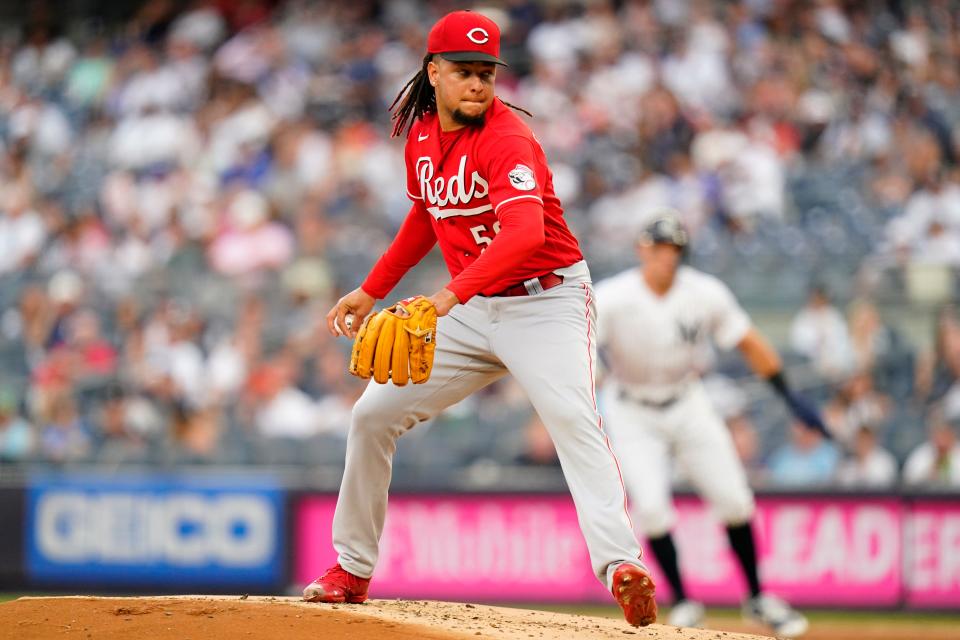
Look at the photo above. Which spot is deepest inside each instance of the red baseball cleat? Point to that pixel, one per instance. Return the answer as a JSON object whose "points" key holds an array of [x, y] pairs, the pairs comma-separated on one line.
{"points": [[337, 585], [633, 588]]}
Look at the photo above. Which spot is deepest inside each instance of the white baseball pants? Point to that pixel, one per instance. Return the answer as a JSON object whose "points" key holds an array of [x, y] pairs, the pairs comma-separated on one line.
{"points": [[547, 341], [689, 431]]}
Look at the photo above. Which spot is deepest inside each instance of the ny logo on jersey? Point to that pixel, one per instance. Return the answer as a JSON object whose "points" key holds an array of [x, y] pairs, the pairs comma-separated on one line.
{"points": [[688, 332]]}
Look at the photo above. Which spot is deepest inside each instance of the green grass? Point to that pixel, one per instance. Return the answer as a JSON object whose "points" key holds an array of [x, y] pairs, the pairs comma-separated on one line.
{"points": [[7, 597]]}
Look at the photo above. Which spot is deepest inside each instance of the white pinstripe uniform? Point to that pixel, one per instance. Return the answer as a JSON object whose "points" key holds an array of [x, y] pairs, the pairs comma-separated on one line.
{"points": [[655, 403]]}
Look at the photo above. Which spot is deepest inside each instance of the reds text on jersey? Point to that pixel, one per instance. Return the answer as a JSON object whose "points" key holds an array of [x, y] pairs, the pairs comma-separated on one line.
{"points": [[464, 178]]}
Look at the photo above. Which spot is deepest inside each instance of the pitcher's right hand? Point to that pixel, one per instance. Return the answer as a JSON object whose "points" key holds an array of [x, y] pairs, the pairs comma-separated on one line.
{"points": [[358, 303]]}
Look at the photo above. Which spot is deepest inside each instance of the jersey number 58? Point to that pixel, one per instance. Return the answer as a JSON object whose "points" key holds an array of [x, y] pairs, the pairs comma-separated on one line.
{"points": [[482, 240]]}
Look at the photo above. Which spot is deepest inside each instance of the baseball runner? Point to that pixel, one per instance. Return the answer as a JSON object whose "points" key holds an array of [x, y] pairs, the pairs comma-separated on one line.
{"points": [[653, 321], [520, 301]]}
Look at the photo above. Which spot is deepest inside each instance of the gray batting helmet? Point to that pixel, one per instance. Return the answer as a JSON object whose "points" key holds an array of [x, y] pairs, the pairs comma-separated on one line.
{"points": [[666, 228]]}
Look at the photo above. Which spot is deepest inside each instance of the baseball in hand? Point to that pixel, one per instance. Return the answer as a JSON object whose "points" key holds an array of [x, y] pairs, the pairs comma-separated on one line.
{"points": [[348, 321]]}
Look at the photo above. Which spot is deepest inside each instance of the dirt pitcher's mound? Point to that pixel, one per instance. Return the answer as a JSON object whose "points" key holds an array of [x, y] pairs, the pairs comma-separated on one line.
{"points": [[242, 618]]}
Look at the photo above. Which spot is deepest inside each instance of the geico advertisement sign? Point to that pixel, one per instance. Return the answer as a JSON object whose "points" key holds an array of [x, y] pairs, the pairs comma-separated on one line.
{"points": [[177, 528]]}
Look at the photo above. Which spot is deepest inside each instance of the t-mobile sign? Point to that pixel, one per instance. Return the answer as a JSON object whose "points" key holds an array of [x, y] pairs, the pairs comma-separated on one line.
{"points": [[813, 551], [464, 547]]}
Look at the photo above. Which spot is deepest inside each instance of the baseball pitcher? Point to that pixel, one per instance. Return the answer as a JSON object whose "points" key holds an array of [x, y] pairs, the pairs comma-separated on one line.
{"points": [[520, 300], [653, 322]]}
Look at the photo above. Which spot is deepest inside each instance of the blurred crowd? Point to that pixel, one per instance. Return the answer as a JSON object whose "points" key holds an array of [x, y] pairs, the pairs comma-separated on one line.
{"points": [[184, 193]]}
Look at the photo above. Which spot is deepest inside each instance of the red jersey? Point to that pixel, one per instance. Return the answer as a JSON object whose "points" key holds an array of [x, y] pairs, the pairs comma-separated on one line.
{"points": [[485, 193]]}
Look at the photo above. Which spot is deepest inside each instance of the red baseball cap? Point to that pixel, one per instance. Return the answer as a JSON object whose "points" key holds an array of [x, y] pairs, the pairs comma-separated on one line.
{"points": [[465, 36]]}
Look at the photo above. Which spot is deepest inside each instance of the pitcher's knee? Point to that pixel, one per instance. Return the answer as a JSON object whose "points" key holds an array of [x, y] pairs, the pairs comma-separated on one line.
{"points": [[369, 419], [375, 419]]}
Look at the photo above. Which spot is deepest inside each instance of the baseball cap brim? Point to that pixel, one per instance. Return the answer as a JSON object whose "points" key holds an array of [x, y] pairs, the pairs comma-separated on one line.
{"points": [[471, 56]]}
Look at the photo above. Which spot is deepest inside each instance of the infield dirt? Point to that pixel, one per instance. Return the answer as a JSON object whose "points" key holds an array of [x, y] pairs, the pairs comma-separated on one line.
{"points": [[254, 618]]}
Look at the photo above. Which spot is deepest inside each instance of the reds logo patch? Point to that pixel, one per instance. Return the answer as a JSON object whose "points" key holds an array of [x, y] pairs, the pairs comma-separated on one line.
{"points": [[521, 177]]}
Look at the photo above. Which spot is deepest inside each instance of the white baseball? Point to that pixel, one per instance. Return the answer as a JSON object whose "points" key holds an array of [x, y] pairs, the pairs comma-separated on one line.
{"points": [[347, 320]]}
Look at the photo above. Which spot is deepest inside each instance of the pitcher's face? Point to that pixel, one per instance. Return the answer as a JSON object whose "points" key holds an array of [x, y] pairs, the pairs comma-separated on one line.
{"points": [[465, 90]]}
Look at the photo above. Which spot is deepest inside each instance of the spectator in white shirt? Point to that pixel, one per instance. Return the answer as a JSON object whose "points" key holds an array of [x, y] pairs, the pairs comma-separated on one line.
{"points": [[871, 466], [22, 231], [285, 411], [936, 462], [201, 25], [820, 333]]}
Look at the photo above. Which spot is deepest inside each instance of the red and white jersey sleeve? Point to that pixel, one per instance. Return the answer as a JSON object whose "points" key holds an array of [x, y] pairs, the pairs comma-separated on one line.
{"points": [[469, 186], [514, 172]]}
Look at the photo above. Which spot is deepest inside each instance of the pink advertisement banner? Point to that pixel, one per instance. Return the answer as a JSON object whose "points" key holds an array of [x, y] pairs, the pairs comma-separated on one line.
{"points": [[932, 555], [813, 551], [834, 552], [464, 547]]}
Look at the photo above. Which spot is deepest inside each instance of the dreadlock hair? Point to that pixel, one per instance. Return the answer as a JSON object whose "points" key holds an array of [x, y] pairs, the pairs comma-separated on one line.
{"points": [[418, 97]]}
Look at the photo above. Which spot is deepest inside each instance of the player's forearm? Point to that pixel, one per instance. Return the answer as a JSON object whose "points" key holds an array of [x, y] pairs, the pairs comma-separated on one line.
{"points": [[521, 235], [765, 362], [414, 240], [760, 355]]}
